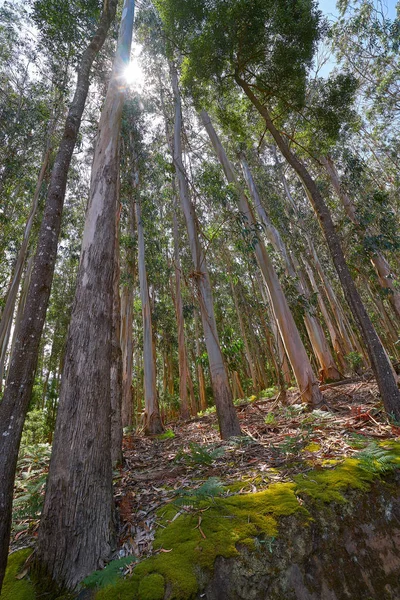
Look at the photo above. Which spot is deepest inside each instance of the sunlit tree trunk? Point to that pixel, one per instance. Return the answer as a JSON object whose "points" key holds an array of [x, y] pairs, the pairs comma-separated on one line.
{"points": [[296, 352], [182, 354], [226, 413], [379, 361], [328, 370], [127, 323], [333, 332], [152, 419], [386, 278], [76, 531], [200, 372], [243, 333], [23, 362]]}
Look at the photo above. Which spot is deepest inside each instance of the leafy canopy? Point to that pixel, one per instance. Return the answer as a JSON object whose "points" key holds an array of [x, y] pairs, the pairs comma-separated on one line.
{"points": [[269, 43]]}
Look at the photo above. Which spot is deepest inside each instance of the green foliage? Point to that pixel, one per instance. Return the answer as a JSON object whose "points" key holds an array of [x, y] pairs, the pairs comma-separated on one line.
{"points": [[355, 361], [110, 574], [198, 455], [30, 484], [167, 435], [272, 41], [269, 392], [270, 419], [35, 429], [211, 488], [293, 444], [376, 459]]}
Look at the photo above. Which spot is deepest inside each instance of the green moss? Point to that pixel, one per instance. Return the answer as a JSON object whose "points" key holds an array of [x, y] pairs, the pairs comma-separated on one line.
{"points": [[221, 525], [312, 447], [167, 435], [152, 587], [17, 589], [328, 485]]}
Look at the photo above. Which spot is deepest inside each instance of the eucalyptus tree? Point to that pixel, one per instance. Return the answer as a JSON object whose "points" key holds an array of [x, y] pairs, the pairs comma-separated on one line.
{"points": [[80, 481], [152, 419], [266, 49], [301, 366], [227, 417], [23, 362]]}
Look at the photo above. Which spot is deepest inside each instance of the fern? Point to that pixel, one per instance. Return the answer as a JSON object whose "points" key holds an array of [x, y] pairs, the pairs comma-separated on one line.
{"points": [[110, 574], [376, 459], [198, 455], [209, 489]]}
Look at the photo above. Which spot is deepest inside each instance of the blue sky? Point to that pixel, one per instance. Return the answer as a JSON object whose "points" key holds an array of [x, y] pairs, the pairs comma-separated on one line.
{"points": [[328, 7]]}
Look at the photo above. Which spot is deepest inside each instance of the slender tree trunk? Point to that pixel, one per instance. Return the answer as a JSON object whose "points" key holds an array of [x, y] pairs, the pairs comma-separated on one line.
{"points": [[385, 275], [296, 352], [127, 320], [22, 368], [226, 412], [328, 370], [283, 366], [76, 531], [244, 337], [152, 419], [182, 354], [200, 372], [379, 361], [334, 334], [116, 360], [12, 292]]}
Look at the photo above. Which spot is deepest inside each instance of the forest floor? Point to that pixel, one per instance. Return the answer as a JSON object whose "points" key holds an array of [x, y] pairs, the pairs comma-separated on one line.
{"points": [[279, 442]]}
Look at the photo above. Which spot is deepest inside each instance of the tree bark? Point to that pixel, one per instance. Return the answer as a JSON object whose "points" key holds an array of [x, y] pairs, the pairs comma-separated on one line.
{"points": [[182, 354], [226, 413], [385, 275], [152, 419], [296, 352], [379, 361], [22, 368], [328, 370], [127, 317], [76, 531], [116, 359]]}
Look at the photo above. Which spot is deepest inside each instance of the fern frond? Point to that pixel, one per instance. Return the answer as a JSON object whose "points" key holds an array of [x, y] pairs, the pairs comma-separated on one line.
{"points": [[110, 574], [376, 459]]}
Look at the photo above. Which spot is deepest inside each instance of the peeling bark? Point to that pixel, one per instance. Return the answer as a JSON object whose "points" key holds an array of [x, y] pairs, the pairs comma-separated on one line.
{"points": [[380, 364]]}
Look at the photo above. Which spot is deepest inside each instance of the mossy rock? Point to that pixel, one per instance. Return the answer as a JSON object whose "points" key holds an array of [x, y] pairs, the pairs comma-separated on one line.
{"points": [[190, 546]]}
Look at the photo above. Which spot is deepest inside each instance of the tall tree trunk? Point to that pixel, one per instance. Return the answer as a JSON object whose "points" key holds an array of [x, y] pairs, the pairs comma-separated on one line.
{"points": [[226, 413], [385, 275], [333, 332], [116, 359], [379, 361], [200, 372], [247, 352], [283, 370], [127, 317], [296, 352], [23, 362], [328, 370], [182, 354], [12, 292], [76, 531], [152, 419]]}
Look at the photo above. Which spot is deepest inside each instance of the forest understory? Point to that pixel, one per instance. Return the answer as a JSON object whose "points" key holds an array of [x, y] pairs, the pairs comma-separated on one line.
{"points": [[280, 441]]}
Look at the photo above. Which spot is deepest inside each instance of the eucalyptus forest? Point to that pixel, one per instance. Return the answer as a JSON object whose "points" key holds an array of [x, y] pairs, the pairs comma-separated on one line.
{"points": [[199, 299]]}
